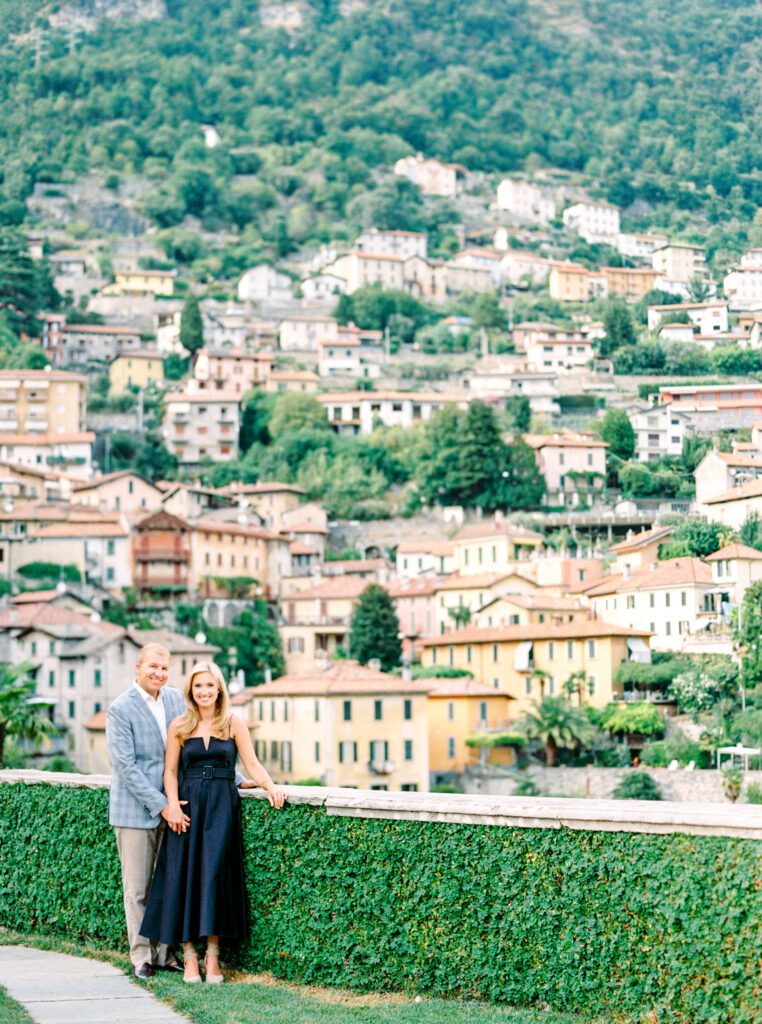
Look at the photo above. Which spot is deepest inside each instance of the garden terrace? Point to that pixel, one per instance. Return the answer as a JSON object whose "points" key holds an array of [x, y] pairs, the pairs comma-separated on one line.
{"points": [[626, 907]]}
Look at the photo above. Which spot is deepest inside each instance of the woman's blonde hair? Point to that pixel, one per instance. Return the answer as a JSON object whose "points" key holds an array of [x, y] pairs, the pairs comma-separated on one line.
{"points": [[186, 725]]}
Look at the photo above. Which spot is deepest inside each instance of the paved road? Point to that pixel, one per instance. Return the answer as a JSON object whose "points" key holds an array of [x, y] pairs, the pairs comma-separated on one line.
{"points": [[58, 989]]}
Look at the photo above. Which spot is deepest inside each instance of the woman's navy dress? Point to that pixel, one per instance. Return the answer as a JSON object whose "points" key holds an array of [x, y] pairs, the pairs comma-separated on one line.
{"points": [[198, 887]]}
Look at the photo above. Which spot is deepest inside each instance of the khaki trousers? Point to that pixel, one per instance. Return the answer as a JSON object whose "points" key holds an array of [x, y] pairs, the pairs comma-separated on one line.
{"points": [[138, 848]]}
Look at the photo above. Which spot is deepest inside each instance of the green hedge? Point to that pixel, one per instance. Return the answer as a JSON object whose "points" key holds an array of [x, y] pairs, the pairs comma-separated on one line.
{"points": [[588, 921]]}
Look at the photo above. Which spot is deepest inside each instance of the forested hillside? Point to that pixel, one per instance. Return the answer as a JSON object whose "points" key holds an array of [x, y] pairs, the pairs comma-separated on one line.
{"points": [[657, 103]]}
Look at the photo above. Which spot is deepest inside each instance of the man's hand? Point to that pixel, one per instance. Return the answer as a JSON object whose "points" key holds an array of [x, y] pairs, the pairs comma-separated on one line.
{"points": [[175, 817]]}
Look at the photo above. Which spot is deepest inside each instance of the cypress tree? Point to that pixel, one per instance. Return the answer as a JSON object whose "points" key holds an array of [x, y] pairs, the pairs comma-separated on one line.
{"points": [[375, 629]]}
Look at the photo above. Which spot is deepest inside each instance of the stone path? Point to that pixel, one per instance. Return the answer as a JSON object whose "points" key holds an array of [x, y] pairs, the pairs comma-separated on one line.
{"points": [[58, 989]]}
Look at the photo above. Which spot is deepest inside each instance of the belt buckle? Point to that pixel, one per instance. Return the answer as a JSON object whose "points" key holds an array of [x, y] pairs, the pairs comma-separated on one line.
{"points": [[207, 771]]}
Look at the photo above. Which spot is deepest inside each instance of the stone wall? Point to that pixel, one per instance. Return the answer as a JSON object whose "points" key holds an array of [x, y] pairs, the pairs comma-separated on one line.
{"points": [[599, 783]]}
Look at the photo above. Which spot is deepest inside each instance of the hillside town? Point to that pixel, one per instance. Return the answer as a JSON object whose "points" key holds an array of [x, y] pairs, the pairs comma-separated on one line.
{"points": [[637, 550]]}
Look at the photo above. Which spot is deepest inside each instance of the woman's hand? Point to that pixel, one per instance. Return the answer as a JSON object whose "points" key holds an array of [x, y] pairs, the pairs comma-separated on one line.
{"points": [[175, 817], [276, 797]]}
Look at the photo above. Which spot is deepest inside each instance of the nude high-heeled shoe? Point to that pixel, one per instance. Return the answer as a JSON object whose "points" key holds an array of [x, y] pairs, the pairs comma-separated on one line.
{"points": [[214, 949], [190, 957]]}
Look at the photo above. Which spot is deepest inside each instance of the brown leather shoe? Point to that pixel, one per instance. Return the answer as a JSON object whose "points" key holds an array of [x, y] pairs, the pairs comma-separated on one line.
{"points": [[144, 972]]}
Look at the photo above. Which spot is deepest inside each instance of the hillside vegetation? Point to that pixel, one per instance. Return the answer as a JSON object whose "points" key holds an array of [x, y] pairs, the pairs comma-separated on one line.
{"points": [[658, 104]]}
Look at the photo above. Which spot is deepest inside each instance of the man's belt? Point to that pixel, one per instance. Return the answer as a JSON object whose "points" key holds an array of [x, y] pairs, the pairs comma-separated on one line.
{"points": [[208, 771]]}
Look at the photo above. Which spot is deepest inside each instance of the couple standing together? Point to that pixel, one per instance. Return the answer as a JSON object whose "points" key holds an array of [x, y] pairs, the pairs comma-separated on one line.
{"points": [[176, 811]]}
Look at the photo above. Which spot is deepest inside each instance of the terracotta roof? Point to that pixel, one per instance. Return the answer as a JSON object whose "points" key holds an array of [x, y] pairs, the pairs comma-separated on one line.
{"points": [[544, 631], [30, 375], [752, 489], [98, 329], [562, 441], [538, 601], [297, 548], [641, 539], [97, 723], [262, 487], [463, 687], [734, 459], [741, 551], [478, 581], [336, 587], [352, 566], [673, 572], [440, 548], [48, 614], [493, 528], [390, 396], [47, 439], [420, 586], [342, 677], [304, 527], [107, 478], [139, 353], [36, 597], [689, 305], [202, 398], [69, 529], [236, 529]]}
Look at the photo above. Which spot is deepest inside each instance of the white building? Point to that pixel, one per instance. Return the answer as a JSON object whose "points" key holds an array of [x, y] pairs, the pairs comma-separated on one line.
{"points": [[559, 355], [659, 431], [680, 262], [344, 358], [71, 454], [640, 246], [526, 200], [595, 222], [743, 285], [202, 426], [707, 317], [322, 287], [431, 176], [516, 266], [358, 412], [720, 472], [425, 558], [403, 244], [360, 268], [304, 333], [264, 283], [503, 380]]}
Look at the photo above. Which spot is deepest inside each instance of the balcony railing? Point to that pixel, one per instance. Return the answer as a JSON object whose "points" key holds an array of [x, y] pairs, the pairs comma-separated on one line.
{"points": [[162, 555]]}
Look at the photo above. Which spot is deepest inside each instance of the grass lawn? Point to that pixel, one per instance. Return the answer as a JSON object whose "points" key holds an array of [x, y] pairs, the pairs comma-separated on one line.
{"points": [[262, 999], [12, 1013]]}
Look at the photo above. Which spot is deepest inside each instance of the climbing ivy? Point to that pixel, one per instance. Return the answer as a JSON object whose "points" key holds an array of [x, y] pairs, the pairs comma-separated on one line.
{"points": [[589, 921]]}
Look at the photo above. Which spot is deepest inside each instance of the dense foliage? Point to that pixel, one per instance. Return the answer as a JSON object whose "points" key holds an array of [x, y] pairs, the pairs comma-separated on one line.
{"points": [[666, 118], [505, 914], [375, 629]]}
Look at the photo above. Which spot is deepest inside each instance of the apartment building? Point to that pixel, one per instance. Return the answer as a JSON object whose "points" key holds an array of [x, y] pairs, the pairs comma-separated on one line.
{"points": [[638, 550], [264, 283], [733, 507], [460, 596], [735, 567], [528, 662], [629, 283], [558, 355], [343, 723], [402, 244], [358, 412], [143, 282], [517, 266], [573, 466], [304, 381], [269, 499], [722, 471], [494, 545], [317, 618], [230, 370], [569, 282], [725, 398], [161, 552], [708, 317], [107, 549], [743, 285], [659, 431], [680, 262], [124, 491], [222, 551], [457, 709], [415, 602], [640, 246], [538, 608], [42, 402], [202, 426], [425, 558], [595, 222], [667, 598], [65, 453], [526, 200], [302, 333], [79, 346], [360, 268], [432, 176], [135, 369]]}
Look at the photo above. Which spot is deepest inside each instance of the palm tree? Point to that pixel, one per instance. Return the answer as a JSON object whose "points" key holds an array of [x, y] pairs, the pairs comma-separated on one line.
{"points": [[557, 724], [576, 683], [18, 715]]}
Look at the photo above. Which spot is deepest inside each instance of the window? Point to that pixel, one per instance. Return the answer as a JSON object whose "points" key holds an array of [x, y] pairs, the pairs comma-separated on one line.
{"points": [[96, 707], [273, 750], [450, 711], [110, 547], [483, 710], [667, 600], [51, 678], [630, 600], [409, 787], [110, 576], [683, 598], [468, 653], [561, 459], [591, 685], [34, 648], [72, 677], [272, 710], [285, 756], [668, 629], [494, 652], [72, 709], [408, 750], [378, 710], [347, 710], [296, 645], [408, 709], [451, 746], [317, 752], [569, 648], [261, 711], [97, 677], [52, 647], [591, 648], [551, 652], [285, 710], [317, 710], [379, 750], [528, 686], [652, 600]]}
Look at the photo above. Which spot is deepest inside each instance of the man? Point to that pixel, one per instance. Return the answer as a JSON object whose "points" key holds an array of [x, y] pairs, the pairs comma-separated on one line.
{"points": [[136, 735]]}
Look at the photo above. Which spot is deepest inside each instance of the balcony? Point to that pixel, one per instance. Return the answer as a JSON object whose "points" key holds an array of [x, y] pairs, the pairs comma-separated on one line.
{"points": [[163, 555]]}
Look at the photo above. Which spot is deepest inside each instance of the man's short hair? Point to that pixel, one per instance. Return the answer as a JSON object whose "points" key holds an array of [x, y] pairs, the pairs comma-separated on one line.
{"points": [[148, 649]]}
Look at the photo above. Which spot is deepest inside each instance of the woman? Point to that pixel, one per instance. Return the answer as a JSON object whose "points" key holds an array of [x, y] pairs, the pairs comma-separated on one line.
{"points": [[198, 889]]}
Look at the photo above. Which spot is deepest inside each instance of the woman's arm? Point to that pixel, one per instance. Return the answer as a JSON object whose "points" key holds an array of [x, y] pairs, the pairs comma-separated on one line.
{"points": [[173, 813], [252, 764]]}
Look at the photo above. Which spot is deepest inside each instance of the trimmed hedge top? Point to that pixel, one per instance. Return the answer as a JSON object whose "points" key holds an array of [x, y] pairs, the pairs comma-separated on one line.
{"points": [[586, 921]]}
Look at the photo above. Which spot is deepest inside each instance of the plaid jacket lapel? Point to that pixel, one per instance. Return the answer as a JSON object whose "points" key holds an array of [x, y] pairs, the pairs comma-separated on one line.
{"points": [[142, 710]]}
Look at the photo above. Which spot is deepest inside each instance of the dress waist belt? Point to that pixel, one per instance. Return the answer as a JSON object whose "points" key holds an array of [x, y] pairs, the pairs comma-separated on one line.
{"points": [[209, 771]]}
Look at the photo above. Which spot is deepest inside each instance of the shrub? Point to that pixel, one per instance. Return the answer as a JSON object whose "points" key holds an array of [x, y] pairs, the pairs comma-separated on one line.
{"points": [[526, 787], [660, 753], [732, 781], [754, 793], [496, 739], [637, 786], [50, 571], [440, 672], [660, 673], [640, 718]]}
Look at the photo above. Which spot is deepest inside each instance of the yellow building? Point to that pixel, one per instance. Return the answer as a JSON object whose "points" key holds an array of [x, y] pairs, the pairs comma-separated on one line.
{"points": [[458, 598], [317, 618], [42, 402], [628, 282], [493, 545], [457, 709], [535, 609], [142, 282], [569, 282], [135, 370], [528, 662], [344, 724]]}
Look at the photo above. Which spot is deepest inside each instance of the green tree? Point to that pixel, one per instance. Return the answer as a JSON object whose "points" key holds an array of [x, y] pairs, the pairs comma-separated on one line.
{"points": [[619, 328], [18, 716], [19, 282], [695, 447], [557, 725], [294, 412], [617, 432], [191, 326], [252, 643], [522, 485], [483, 458], [748, 635], [750, 533], [694, 538], [374, 629], [438, 469], [639, 718], [256, 410], [637, 786], [520, 411]]}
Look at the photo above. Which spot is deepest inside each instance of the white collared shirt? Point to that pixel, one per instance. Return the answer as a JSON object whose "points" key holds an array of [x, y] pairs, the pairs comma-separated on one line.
{"points": [[156, 707]]}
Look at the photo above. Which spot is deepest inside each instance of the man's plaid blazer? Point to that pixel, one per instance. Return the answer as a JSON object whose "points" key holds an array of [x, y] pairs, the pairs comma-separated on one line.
{"points": [[136, 748]]}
